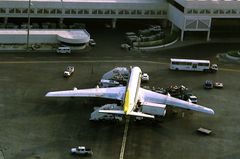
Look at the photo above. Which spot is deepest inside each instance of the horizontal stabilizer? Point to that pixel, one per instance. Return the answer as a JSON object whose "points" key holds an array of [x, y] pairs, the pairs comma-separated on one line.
{"points": [[112, 111], [140, 114]]}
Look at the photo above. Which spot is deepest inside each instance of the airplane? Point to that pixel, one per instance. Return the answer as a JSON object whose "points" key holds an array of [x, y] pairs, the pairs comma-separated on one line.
{"points": [[133, 97]]}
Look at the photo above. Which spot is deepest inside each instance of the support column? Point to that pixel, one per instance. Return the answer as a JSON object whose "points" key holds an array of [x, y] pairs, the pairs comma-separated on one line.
{"points": [[182, 35], [61, 23], [209, 30], [208, 35], [172, 28], [5, 20], [164, 23], [114, 21]]}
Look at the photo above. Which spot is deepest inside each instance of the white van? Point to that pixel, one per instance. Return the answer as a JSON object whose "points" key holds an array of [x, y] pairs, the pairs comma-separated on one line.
{"points": [[64, 50]]}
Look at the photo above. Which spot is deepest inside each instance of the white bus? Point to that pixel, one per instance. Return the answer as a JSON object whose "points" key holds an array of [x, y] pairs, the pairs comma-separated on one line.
{"points": [[192, 65]]}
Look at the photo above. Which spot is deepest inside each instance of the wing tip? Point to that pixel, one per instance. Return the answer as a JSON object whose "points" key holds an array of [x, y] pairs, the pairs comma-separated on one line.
{"points": [[48, 94], [211, 112]]}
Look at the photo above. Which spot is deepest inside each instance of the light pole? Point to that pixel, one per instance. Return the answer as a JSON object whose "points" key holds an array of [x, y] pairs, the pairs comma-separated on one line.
{"points": [[29, 5]]}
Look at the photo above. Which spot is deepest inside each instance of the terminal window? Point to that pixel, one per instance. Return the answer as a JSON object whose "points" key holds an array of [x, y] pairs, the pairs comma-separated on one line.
{"points": [[46, 11], [74, 11], [11, 10], [94, 11], [18, 10], [113, 12], [152, 12], [234, 11], [133, 12], [68, 11], [40, 11], [25, 11], [107, 12], [80, 12], [59, 11], [100, 11], [139, 12], [159, 12], [52, 11], [146, 12], [85, 11], [2, 10]]}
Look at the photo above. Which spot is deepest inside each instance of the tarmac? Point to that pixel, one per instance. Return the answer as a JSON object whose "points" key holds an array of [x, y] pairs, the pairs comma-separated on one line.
{"points": [[33, 126]]}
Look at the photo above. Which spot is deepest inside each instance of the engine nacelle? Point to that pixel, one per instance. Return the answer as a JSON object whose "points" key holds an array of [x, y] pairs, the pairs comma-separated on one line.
{"points": [[154, 109]]}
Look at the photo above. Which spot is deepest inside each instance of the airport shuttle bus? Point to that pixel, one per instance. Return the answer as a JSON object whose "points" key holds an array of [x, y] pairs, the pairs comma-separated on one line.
{"points": [[193, 65]]}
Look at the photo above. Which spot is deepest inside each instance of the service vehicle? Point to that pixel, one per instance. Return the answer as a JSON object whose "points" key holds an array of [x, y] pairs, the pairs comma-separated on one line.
{"points": [[208, 84], [145, 77], [204, 131], [193, 65], [81, 150], [64, 50], [218, 85], [68, 71], [92, 42]]}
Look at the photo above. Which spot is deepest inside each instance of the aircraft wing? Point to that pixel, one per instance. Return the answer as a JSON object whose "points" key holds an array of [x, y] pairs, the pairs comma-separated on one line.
{"points": [[110, 93], [153, 97]]}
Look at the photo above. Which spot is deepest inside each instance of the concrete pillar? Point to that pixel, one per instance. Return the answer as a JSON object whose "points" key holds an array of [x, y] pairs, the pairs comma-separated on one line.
{"points": [[172, 28], [208, 35], [209, 30], [182, 35], [61, 25], [5, 20], [164, 23], [61, 21], [114, 21]]}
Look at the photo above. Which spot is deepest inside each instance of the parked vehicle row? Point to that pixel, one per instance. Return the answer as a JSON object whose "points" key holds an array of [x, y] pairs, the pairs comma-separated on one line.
{"points": [[208, 84]]}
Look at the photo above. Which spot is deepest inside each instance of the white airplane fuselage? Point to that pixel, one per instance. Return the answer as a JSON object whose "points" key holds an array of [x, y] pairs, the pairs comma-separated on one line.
{"points": [[132, 90]]}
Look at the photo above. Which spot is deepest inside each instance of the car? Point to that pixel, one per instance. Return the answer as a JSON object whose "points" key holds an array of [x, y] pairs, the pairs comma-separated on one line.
{"points": [[193, 99], [92, 42], [161, 90], [63, 50], [81, 150], [145, 77], [208, 84], [218, 85], [68, 71], [214, 68], [125, 46]]}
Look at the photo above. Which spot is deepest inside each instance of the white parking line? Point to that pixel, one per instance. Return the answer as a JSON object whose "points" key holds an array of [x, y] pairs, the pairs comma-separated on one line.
{"points": [[124, 138]]}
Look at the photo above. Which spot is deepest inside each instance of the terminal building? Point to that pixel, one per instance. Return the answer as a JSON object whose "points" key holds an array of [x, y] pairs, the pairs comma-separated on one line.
{"points": [[186, 15]]}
